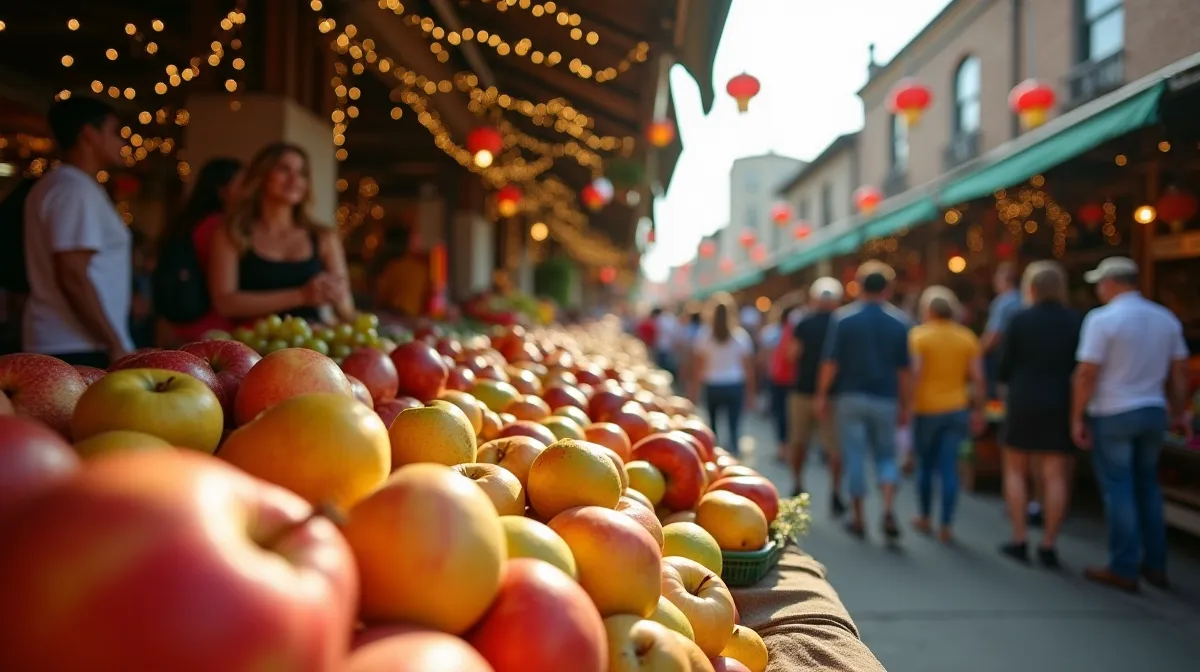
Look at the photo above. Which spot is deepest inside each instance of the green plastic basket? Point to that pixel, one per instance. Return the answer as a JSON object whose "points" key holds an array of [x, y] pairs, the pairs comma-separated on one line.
{"points": [[741, 569]]}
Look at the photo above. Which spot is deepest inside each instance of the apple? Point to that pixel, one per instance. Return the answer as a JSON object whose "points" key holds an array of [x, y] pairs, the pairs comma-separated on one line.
{"points": [[461, 378], [679, 517], [562, 395], [747, 648], [642, 515], [401, 648], [659, 422], [440, 433], [489, 429], [528, 407], [430, 549], [703, 598], [514, 453], [708, 440], [589, 374], [638, 497], [681, 406], [524, 380], [499, 484], [712, 474], [327, 448], [646, 479], [90, 374], [284, 374], [422, 373], [618, 560], [375, 370], [176, 535], [33, 458], [736, 522], [755, 488], [492, 372], [230, 361], [448, 347], [572, 473], [632, 419], [611, 436], [605, 403], [495, 394], [173, 406], [469, 405], [725, 664], [541, 620], [527, 538], [388, 410], [563, 427], [619, 464], [174, 360], [669, 615], [42, 388], [674, 455], [556, 377], [647, 400], [360, 392], [531, 429], [117, 441], [686, 539], [573, 412], [639, 645], [737, 470]]}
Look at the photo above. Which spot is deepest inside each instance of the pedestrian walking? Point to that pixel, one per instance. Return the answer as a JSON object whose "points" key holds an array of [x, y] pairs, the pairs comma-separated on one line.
{"points": [[1037, 359], [949, 393], [866, 351], [1129, 349], [807, 345], [781, 373], [724, 356]]}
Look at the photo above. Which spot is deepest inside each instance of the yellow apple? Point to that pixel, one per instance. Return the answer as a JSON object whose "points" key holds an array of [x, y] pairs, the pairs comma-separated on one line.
{"points": [[689, 540], [669, 615], [514, 453], [639, 645], [439, 433], [646, 479], [173, 406], [527, 538], [746, 647], [697, 661], [469, 405], [572, 473], [119, 440], [703, 598], [619, 562], [499, 484], [734, 521]]}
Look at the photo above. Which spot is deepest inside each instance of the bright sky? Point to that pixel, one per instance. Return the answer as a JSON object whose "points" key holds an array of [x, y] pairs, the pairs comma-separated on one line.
{"points": [[811, 58]]}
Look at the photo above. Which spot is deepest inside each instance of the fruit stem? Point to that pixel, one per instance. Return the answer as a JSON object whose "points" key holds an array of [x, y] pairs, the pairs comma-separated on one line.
{"points": [[162, 387], [324, 510], [700, 586]]}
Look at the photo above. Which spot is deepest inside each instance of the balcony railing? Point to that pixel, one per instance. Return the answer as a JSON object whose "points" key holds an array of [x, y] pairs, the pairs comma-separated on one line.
{"points": [[896, 182], [962, 148], [1092, 79]]}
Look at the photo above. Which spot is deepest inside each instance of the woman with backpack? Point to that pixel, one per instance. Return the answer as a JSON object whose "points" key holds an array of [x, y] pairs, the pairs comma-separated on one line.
{"points": [[180, 287]]}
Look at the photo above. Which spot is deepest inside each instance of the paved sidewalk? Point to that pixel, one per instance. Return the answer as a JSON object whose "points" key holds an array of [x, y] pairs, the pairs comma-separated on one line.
{"points": [[925, 607]]}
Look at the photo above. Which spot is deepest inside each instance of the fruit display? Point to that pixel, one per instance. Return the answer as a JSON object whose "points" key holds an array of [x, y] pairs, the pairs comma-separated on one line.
{"points": [[532, 500]]}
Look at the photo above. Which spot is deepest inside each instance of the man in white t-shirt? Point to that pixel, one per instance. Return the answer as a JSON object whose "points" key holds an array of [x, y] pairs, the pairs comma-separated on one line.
{"points": [[77, 247], [1129, 350]]}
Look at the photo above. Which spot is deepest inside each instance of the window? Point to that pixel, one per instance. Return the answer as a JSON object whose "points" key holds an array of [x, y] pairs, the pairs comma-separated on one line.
{"points": [[752, 217], [802, 211], [899, 144], [750, 181], [1103, 29], [826, 204], [966, 97]]}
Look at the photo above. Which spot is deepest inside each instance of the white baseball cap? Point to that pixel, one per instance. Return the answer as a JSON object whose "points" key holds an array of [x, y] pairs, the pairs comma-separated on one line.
{"points": [[826, 289], [1112, 266]]}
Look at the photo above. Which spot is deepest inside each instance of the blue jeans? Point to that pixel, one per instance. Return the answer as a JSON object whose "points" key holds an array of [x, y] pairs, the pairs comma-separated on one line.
{"points": [[1126, 450], [779, 411], [867, 424], [728, 399], [936, 441]]}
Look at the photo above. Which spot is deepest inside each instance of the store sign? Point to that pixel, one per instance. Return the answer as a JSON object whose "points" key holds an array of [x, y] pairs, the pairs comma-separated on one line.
{"points": [[1181, 246]]}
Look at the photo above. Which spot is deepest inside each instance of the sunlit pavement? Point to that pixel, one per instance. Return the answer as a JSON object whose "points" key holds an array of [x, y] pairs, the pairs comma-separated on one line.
{"points": [[925, 607]]}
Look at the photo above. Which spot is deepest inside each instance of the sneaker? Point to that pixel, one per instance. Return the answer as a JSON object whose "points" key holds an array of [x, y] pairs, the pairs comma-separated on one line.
{"points": [[837, 505], [1018, 551], [1106, 577], [1048, 557]]}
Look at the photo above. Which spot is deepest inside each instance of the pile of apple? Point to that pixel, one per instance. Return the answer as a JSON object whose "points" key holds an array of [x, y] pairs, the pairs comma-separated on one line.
{"points": [[536, 501]]}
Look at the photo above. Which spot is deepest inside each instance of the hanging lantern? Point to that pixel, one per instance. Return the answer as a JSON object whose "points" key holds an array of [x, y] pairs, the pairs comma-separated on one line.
{"points": [[866, 199], [747, 238], [801, 231], [661, 132], [726, 265], [1091, 214], [1031, 100], [1004, 251], [781, 214], [743, 87], [508, 200], [909, 99], [1176, 207], [707, 249], [125, 186], [758, 254], [608, 275], [591, 198], [605, 188], [484, 143]]}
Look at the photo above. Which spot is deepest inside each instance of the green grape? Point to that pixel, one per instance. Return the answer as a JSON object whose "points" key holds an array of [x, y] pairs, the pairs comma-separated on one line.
{"points": [[365, 321], [324, 333], [244, 335], [340, 351], [261, 329], [373, 339], [343, 333], [298, 341], [277, 345], [359, 339], [318, 345], [259, 345], [274, 322]]}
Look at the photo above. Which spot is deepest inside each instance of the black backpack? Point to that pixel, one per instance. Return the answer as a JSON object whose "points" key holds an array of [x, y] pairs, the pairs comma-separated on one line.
{"points": [[178, 286], [12, 237]]}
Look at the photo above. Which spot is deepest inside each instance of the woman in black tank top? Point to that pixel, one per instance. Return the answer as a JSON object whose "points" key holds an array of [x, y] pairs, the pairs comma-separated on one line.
{"points": [[270, 257]]}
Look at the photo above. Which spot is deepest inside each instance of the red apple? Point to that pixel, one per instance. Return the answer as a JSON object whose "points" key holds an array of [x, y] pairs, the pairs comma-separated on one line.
{"points": [[605, 403], [230, 361], [755, 488], [360, 391], [375, 370], [421, 369], [32, 458], [388, 410], [42, 387], [738, 470], [676, 458], [6, 407], [708, 440], [631, 417], [610, 436], [90, 374], [284, 374], [542, 621], [560, 396], [589, 374], [174, 360], [461, 378], [531, 429], [448, 347], [492, 372], [203, 568], [403, 648]]}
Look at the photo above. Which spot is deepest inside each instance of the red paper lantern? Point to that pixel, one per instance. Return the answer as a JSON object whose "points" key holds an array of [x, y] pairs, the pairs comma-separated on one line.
{"points": [[484, 143], [781, 214], [125, 186], [909, 99], [608, 275], [1004, 251], [758, 254], [1176, 207], [508, 200], [867, 198], [1091, 214], [592, 198], [747, 238], [661, 132], [1031, 100], [801, 231], [707, 249], [726, 265], [743, 87]]}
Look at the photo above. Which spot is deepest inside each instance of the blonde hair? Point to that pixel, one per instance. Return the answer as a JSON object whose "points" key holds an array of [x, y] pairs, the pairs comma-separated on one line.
{"points": [[248, 207], [941, 301], [1044, 281], [721, 314]]}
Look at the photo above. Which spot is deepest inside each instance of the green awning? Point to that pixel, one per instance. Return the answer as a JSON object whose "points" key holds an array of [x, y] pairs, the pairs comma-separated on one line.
{"points": [[1102, 125], [920, 211], [844, 243], [847, 242], [732, 285]]}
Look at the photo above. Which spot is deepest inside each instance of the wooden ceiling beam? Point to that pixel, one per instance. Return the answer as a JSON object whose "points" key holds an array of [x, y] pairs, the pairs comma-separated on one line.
{"points": [[541, 84]]}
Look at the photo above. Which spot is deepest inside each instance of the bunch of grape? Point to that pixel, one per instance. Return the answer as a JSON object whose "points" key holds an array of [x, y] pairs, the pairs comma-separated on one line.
{"points": [[273, 333]]}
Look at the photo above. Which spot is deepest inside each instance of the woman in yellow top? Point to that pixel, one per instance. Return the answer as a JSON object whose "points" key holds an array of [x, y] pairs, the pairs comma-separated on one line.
{"points": [[946, 361]]}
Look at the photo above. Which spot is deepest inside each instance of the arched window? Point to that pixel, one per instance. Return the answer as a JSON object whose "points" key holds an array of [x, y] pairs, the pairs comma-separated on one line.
{"points": [[966, 96]]}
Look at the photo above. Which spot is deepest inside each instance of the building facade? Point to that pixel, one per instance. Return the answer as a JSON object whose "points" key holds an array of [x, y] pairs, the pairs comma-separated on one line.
{"points": [[822, 192], [754, 184]]}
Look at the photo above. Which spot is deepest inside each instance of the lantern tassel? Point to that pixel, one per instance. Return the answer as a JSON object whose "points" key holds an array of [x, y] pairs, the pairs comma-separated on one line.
{"points": [[743, 103]]}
